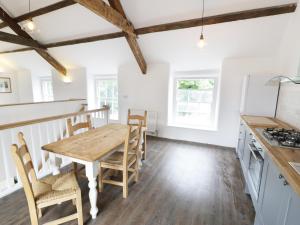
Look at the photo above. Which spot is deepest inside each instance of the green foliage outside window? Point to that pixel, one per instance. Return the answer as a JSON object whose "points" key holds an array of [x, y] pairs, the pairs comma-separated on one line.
{"points": [[200, 84]]}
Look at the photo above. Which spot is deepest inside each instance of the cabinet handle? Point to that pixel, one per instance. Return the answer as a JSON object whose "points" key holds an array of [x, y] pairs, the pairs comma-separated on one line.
{"points": [[280, 176], [285, 183]]}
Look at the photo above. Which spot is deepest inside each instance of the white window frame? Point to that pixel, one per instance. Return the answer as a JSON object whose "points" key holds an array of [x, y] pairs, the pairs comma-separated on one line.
{"points": [[213, 122], [42, 79], [107, 77]]}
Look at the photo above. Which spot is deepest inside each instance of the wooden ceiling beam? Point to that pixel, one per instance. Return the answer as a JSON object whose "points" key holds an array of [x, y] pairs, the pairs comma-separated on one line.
{"points": [[15, 39], [18, 30], [132, 41], [41, 11], [102, 9], [222, 18]]}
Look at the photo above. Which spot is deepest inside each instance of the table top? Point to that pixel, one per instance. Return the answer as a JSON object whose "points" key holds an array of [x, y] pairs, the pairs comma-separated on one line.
{"points": [[91, 145]]}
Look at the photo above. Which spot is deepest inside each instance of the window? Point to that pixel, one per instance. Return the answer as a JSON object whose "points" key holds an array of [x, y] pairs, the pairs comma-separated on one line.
{"points": [[46, 89], [194, 102], [107, 94]]}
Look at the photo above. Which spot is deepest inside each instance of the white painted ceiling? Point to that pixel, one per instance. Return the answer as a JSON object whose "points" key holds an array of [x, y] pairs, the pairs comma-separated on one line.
{"points": [[250, 38]]}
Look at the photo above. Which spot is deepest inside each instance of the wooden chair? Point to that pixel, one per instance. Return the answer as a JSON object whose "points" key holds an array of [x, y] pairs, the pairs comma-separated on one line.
{"points": [[47, 191], [134, 120], [126, 162], [72, 128]]}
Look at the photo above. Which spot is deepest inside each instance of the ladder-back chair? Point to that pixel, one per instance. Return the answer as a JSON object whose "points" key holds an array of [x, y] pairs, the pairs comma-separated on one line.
{"points": [[51, 190], [135, 120], [126, 161], [73, 128]]}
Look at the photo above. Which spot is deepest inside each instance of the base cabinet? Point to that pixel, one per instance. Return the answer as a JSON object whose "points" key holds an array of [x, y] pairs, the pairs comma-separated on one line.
{"points": [[278, 204]]}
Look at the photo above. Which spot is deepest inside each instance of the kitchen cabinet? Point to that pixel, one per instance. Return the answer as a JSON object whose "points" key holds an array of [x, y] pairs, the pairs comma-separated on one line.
{"points": [[241, 140], [278, 204], [272, 195]]}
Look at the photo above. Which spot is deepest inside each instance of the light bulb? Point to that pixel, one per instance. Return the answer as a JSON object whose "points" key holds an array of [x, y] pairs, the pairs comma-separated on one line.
{"points": [[201, 43], [30, 24]]}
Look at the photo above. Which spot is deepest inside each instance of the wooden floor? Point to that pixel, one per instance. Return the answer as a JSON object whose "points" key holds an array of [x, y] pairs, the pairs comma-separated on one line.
{"points": [[180, 184]]}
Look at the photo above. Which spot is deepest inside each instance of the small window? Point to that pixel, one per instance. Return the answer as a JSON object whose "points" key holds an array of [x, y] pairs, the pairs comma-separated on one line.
{"points": [[46, 89], [107, 94], [194, 102]]}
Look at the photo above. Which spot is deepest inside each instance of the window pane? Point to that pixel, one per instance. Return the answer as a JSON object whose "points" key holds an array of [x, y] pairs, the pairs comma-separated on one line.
{"points": [[107, 94], [47, 89], [194, 101]]}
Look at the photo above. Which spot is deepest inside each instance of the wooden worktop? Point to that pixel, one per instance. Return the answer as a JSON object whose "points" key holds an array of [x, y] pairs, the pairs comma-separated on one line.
{"points": [[281, 156]]}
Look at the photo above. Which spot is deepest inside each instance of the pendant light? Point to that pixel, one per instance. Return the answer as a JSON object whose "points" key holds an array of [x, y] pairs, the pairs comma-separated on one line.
{"points": [[201, 43], [29, 25]]}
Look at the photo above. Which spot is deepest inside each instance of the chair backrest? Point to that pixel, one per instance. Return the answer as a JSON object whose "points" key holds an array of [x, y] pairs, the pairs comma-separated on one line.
{"points": [[23, 161], [72, 128], [132, 141], [136, 119]]}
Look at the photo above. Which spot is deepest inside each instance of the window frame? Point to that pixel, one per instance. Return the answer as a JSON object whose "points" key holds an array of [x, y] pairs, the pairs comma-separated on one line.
{"points": [[103, 78], [43, 79], [213, 122]]}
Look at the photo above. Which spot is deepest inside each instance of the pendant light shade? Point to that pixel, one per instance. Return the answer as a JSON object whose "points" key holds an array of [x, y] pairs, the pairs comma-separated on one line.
{"points": [[29, 24], [201, 42]]}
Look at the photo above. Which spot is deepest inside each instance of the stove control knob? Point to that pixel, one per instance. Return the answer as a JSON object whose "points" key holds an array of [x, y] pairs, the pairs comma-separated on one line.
{"points": [[280, 176], [285, 183]]}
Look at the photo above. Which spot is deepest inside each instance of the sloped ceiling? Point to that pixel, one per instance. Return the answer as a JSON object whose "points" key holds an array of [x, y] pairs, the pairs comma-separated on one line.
{"points": [[249, 38]]}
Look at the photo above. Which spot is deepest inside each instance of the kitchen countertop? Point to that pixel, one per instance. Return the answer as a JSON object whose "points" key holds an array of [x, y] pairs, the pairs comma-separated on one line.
{"points": [[281, 156]]}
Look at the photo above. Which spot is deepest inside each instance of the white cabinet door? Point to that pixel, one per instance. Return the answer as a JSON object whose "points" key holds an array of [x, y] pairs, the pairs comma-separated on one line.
{"points": [[273, 195], [291, 215]]}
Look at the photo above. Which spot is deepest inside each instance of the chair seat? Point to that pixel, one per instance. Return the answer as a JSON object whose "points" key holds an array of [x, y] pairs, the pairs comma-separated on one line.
{"points": [[55, 187], [117, 159]]}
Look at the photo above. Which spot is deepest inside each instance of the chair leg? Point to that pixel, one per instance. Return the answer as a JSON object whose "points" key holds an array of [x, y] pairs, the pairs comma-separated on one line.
{"points": [[75, 169], [33, 216], [136, 168], [40, 213], [125, 183], [100, 179], [144, 146], [79, 208]]}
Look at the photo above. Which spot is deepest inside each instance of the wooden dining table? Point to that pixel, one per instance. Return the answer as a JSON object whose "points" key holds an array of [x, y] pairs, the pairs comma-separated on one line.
{"points": [[87, 149]]}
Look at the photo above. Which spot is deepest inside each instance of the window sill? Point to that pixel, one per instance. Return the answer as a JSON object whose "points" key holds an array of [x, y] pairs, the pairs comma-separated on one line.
{"points": [[210, 128]]}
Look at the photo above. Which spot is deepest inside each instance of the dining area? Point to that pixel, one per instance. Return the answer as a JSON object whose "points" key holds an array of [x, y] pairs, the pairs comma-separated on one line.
{"points": [[109, 154]]}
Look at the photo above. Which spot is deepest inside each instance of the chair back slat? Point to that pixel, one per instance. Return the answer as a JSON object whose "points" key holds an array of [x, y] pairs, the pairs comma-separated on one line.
{"points": [[132, 141], [72, 128], [23, 161], [136, 119]]}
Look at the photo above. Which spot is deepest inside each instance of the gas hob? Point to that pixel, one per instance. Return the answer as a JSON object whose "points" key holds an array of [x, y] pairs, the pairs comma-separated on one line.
{"points": [[281, 137]]}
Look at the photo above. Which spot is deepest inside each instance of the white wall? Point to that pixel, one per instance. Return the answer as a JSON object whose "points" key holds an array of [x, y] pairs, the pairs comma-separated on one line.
{"points": [[75, 89], [9, 98], [16, 113], [289, 65], [21, 83], [151, 92], [25, 86]]}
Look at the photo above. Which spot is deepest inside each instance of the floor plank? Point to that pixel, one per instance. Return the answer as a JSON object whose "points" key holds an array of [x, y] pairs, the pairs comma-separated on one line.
{"points": [[180, 184]]}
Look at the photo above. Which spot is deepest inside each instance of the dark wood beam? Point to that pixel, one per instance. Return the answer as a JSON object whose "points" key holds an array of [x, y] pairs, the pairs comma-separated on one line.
{"points": [[41, 11], [133, 44], [15, 39], [102, 9], [18, 30], [222, 18]]}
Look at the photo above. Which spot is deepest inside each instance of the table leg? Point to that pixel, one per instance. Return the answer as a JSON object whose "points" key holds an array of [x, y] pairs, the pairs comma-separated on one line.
{"points": [[54, 166], [92, 172]]}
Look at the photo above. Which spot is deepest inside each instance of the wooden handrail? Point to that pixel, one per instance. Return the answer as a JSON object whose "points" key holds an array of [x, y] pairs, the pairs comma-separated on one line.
{"points": [[46, 119], [44, 102]]}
